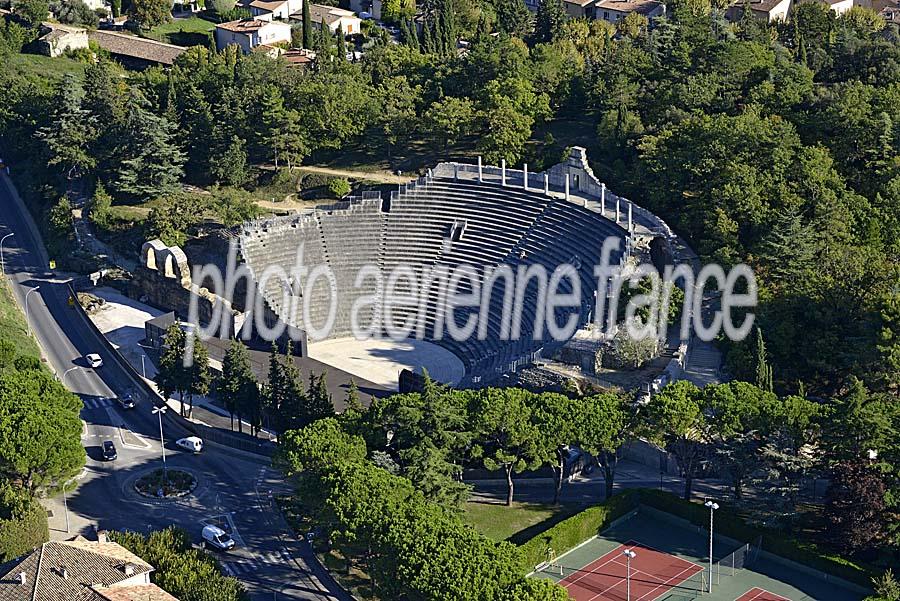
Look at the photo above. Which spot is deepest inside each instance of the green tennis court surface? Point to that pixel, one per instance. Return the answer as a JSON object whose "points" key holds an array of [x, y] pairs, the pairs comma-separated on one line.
{"points": [[665, 548]]}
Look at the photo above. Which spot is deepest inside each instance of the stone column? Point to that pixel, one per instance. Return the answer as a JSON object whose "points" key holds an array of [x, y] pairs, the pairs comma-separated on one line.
{"points": [[546, 184], [502, 172], [630, 206], [480, 178], [603, 199], [617, 210], [567, 186], [525, 176]]}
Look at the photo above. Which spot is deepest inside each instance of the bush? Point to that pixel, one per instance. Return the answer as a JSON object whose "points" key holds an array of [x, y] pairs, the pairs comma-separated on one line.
{"points": [[312, 181], [23, 523], [577, 529], [730, 524], [75, 12], [221, 7], [338, 187]]}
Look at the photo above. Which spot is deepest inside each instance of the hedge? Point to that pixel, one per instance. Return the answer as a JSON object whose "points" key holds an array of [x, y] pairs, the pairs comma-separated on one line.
{"points": [[577, 529], [730, 524]]}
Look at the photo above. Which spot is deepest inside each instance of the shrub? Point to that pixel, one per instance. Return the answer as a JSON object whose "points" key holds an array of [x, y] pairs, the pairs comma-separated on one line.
{"points": [[221, 7], [23, 523], [313, 180], [339, 187], [577, 529]]}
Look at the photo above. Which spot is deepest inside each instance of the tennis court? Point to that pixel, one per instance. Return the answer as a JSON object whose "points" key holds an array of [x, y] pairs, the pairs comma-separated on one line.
{"points": [[760, 594], [647, 575]]}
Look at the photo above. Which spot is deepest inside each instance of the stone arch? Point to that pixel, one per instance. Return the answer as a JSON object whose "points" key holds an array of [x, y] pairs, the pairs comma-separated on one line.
{"points": [[173, 264], [151, 252]]}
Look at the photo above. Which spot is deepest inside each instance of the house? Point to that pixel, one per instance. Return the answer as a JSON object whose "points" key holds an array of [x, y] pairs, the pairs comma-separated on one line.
{"points": [[135, 52], [79, 570], [840, 6], [614, 11], [251, 33], [279, 10], [55, 39], [891, 13], [579, 8], [767, 11], [333, 18]]}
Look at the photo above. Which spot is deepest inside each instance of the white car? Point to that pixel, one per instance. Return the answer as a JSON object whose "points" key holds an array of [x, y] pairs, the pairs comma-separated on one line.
{"points": [[217, 537], [94, 360], [192, 443]]}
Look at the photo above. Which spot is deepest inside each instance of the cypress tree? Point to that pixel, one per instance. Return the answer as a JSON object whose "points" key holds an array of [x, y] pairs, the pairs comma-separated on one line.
{"points": [[763, 369], [307, 26], [341, 46]]}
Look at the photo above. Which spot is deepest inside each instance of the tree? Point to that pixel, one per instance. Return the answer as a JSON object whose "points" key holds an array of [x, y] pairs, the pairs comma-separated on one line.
{"points": [[150, 13], [171, 375], [633, 352], [222, 7], [450, 118], [181, 570], [677, 423], [318, 447], [886, 587], [507, 131], [763, 369], [855, 506], [101, 203], [230, 167], [75, 12], [506, 437], [40, 430], [237, 381], [23, 522], [61, 227], [34, 12], [151, 161], [69, 133], [604, 423], [556, 418], [307, 27], [338, 187], [551, 15]]}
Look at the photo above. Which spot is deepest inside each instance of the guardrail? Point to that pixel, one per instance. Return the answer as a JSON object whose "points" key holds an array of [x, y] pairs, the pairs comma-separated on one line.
{"points": [[207, 433]]}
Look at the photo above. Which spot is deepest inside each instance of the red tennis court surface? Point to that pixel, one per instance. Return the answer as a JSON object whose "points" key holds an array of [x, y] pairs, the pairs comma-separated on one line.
{"points": [[653, 574], [760, 594]]}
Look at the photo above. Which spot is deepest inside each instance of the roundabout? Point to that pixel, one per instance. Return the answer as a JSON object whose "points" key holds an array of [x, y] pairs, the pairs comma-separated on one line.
{"points": [[172, 483]]}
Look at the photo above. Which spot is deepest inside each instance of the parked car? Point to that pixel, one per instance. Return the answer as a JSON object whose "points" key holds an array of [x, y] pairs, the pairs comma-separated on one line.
{"points": [[218, 538], [109, 451], [191, 443], [94, 360], [126, 401]]}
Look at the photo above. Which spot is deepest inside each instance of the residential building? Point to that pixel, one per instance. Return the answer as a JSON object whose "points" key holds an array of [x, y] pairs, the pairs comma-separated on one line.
{"points": [[279, 10], [79, 570], [333, 18], [579, 8], [252, 33], [767, 11], [135, 52], [840, 6], [614, 11], [55, 39]]}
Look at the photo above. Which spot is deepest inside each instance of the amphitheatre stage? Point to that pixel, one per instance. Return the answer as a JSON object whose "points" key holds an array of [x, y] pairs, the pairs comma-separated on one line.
{"points": [[381, 360]]}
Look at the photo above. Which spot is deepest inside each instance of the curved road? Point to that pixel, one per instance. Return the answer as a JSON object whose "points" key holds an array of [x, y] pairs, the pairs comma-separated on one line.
{"points": [[233, 487]]}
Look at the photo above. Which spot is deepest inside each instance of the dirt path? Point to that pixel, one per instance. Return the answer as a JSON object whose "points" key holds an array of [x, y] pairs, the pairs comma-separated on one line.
{"points": [[379, 176]]}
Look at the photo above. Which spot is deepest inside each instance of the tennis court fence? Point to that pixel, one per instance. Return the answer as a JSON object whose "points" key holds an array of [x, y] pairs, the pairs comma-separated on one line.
{"points": [[737, 560]]}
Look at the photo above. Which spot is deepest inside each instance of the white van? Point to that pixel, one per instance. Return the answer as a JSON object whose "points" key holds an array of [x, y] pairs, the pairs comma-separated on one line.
{"points": [[192, 443], [217, 537]]}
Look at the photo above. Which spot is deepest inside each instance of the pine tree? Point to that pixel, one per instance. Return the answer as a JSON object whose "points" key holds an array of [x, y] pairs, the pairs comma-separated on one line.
{"points": [[151, 161], [341, 46], [276, 386], [236, 381], [307, 26], [197, 373], [70, 131], [551, 14], [318, 400]]}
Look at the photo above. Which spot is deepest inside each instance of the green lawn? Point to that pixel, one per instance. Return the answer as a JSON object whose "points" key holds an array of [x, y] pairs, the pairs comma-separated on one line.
{"points": [[42, 67], [12, 324], [192, 31], [521, 521]]}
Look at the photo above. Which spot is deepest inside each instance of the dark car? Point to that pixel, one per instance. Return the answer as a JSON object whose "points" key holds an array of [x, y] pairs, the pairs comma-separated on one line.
{"points": [[109, 451], [126, 401]]}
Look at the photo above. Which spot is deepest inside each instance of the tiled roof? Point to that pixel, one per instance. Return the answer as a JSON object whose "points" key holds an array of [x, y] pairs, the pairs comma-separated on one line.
{"points": [[135, 47], [138, 592], [268, 5], [66, 571], [642, 7], [244, 25]]}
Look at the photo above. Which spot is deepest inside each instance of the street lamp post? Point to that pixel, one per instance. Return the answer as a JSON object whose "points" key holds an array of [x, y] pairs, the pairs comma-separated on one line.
{"points": [[162, 444], [2, 260], [629, 555], [66, 508], [712, 507], [143, 355], [27, 320]]}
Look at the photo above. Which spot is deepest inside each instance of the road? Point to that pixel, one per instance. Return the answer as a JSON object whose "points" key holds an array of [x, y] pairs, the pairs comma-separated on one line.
{"points": [[232, 487]]}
